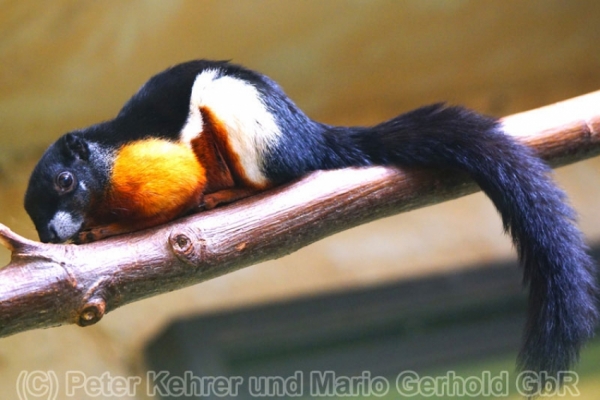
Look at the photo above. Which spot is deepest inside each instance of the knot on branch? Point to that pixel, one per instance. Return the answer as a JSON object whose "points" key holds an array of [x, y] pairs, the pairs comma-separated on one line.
{"points": [[185, 247], [92, 312], [94, 303]]}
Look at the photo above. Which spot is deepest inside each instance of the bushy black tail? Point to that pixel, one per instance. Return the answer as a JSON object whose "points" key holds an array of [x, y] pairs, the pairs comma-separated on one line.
{"points": [[560, 274]]}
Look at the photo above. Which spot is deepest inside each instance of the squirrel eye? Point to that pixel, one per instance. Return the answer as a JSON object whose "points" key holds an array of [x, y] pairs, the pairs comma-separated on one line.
{"points": [[65, 181]]}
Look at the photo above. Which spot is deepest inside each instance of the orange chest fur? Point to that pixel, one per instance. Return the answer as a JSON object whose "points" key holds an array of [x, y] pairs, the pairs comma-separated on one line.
{"points": [[154, 176], [158, 179]]}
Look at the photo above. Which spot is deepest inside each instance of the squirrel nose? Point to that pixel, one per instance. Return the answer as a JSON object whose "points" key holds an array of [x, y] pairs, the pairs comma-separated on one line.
{"points": [[50, 236]]}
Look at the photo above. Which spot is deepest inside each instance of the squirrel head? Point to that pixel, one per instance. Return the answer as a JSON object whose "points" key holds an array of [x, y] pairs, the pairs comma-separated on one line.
{"points": [[62, 186]]}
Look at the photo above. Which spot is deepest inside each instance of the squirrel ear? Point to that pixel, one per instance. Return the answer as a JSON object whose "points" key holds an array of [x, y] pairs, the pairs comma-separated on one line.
{"points": [[75, 147]]}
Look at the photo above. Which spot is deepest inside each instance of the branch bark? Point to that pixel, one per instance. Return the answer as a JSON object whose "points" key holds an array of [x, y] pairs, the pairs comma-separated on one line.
{"points": [[48, 285]]}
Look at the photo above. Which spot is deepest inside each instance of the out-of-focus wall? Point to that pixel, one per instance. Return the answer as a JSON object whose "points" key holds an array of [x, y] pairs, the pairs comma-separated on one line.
{"points": [[68, 64]]}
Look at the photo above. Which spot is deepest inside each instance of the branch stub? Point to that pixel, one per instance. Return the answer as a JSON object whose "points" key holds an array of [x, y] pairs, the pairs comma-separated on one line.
{"points": [[91, 313]]}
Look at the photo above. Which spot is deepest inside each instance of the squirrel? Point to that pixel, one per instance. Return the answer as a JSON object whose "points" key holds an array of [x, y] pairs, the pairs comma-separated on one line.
{"points": [[204, 133]]}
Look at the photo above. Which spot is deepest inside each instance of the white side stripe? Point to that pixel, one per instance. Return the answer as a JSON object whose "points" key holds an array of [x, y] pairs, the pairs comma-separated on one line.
{"points": [[237, 104]]}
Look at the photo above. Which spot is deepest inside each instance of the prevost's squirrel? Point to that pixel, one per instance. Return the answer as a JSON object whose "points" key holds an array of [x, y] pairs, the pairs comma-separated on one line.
{"points": [[203, 133]]}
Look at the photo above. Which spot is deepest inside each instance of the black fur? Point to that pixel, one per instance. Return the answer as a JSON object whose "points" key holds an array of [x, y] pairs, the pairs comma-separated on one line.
{"points": [[71, 153], [557, 269], [562, 312], [560, 274]]}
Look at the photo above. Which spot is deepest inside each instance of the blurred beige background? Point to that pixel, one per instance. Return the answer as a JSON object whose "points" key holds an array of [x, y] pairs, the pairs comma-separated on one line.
{"points": [[67, 64]]}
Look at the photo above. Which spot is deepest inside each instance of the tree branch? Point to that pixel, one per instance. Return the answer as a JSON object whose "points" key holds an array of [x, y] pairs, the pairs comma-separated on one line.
{"points": [[48, 285]]}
